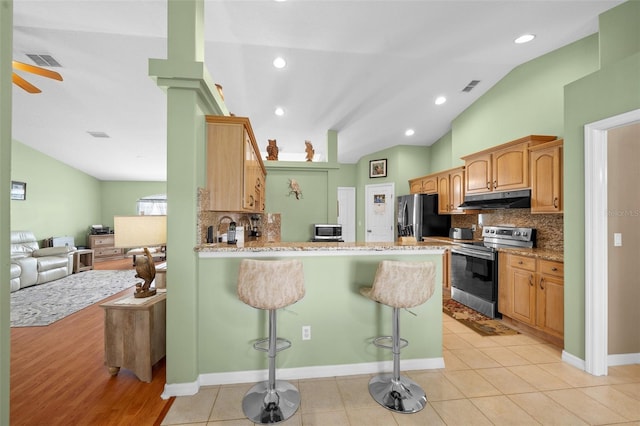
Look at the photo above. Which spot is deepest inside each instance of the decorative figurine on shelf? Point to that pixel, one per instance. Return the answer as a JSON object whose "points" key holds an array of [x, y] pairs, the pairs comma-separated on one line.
{"points": [[294, 188], [272, 150], [309, 150], [145, 269]]}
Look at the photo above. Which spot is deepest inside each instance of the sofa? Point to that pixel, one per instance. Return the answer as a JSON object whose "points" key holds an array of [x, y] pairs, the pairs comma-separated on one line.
{"points": [[31, 265]]}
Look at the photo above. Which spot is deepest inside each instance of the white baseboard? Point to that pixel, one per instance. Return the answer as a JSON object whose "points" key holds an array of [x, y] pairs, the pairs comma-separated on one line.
{"points": [[623, 359], [315, 372], [573, 360]]}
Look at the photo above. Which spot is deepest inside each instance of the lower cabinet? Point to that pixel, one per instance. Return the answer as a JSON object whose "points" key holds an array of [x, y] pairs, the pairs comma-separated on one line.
{"points": [[531, 292]]}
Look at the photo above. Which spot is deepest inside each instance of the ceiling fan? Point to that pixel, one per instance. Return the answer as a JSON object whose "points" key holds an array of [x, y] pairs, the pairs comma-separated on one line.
{"points": [[33, 69]]}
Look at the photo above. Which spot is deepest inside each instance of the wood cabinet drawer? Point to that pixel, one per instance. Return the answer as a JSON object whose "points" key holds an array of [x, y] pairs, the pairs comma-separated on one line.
{"points": [[522, 262], [107, 240], [549, 267], [107, 251]]}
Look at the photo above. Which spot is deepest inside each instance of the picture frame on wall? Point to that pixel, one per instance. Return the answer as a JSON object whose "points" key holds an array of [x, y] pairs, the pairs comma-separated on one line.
{"points": [[378, 168], [18, 190]]}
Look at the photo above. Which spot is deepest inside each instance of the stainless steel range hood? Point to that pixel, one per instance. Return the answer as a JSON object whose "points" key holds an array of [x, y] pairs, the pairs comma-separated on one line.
{"points": [[498, 200]]}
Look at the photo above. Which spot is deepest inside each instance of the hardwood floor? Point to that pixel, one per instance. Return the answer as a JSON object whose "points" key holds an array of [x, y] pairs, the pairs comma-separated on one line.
{"points": [[58, 375]]}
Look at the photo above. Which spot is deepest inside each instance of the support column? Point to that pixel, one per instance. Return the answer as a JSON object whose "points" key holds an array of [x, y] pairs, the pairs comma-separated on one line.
{"points": [[190, 95]]}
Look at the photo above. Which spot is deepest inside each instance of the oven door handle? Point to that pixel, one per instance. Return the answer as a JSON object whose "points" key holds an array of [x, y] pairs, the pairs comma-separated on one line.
{"points": [[474, 253]]}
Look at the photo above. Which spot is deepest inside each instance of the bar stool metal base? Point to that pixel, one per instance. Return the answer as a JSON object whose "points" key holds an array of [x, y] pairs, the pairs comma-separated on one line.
{"points": [[401, 396], [264, 407]]}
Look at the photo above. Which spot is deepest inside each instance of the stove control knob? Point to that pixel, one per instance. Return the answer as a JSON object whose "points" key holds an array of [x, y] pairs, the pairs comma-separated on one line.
{"points": [[516, 233], [493, 231], [524, 233]]}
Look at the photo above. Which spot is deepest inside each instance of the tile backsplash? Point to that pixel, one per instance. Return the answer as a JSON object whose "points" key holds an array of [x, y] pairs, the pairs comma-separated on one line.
{"points": [[549, 227], [269, 224]]}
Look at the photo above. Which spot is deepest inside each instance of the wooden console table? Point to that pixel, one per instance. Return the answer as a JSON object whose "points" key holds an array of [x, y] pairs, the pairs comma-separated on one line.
{"points": [[134, 334]]}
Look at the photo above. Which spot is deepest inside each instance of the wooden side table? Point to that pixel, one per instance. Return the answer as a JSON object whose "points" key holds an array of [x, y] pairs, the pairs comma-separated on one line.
{"points": [[134, 334], [82, 260]]}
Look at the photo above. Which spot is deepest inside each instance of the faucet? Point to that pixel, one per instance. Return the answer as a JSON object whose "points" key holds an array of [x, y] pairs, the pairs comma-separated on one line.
{"points": [[220, 222]]}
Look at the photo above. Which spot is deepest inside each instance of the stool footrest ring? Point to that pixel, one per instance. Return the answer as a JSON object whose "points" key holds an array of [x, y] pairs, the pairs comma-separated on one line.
{"points": [[263, 344], [386, 342]]}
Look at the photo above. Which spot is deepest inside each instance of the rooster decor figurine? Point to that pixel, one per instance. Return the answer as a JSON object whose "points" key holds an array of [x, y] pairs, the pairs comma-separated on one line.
{"points": [[145, 269]]}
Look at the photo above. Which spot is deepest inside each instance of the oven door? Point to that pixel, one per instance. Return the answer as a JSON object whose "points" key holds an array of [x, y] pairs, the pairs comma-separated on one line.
{"points": [[474, 279]]}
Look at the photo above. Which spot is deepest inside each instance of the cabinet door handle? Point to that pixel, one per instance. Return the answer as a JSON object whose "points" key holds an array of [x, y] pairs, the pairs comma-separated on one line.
{"points": [[555, 202], [495, 184], [531, 280], [554, 269], [520, 262], [488, 185], [541, 282]]}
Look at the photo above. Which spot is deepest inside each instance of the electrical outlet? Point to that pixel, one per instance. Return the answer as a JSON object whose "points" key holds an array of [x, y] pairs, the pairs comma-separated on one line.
{"points": [[306, 332], [473, 227]]}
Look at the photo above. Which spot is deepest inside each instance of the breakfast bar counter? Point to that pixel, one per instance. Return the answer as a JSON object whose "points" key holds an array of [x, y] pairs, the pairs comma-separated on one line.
{"points": [[318, 248], [343, 322]]}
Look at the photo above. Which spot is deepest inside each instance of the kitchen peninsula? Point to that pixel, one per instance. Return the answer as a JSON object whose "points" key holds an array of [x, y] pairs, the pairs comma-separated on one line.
{"points": [[343, 323]]}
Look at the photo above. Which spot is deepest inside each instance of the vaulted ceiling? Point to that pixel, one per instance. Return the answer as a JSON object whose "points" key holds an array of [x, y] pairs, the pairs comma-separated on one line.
{"points": [[367, 69]]}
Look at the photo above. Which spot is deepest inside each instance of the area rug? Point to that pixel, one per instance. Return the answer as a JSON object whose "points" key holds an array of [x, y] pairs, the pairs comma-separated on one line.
{"points": [[476, 321], [46, 303]]}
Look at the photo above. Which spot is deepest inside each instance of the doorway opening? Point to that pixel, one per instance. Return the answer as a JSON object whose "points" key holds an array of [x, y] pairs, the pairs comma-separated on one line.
{"points": [[596, 240]]}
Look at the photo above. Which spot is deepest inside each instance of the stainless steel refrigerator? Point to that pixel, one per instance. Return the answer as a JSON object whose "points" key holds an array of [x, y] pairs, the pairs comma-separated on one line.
{"points": [[418, 216]]}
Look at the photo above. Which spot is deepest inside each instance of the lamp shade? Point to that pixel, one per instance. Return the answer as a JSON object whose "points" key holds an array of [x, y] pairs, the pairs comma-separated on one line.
{"points": [[139, 231]]}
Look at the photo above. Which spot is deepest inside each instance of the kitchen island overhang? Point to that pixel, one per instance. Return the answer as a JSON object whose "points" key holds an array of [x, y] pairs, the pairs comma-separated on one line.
{"points": [[343, 322]]}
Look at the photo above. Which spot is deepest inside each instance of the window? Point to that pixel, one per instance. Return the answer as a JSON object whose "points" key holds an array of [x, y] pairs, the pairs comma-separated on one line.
{"points": [[152, 205]]}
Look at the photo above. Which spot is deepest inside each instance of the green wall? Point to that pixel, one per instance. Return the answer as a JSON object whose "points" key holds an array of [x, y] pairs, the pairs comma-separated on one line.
{"points": [[6, 44], [342, 321], [528, 101], [60, 200], [441, 157], [119, 198], [612, 90], [74, 200]]}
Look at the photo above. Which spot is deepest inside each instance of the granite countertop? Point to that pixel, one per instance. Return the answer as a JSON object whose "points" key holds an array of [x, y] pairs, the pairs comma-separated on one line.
{"points": [[538, 253], [254, 246]]}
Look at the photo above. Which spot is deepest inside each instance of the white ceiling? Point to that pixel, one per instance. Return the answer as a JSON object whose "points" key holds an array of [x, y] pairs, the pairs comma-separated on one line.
{"points": [[367, 69]]}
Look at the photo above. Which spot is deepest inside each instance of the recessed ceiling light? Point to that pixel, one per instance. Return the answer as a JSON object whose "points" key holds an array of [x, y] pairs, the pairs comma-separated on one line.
{"points": [[96, 134], [440, 100], [525, 38], [279, 62], [279, 111], [409, 132]]}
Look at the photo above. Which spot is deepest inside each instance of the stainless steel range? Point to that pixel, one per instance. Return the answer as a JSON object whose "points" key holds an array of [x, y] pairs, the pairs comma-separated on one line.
{"points": [[474, 266]]}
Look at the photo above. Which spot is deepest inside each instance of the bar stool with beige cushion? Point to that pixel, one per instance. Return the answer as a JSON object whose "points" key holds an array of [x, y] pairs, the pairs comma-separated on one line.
{"points": [[399, 285], [271, 285]]}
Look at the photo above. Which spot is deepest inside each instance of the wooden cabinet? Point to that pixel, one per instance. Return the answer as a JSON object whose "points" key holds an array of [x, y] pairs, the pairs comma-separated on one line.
{"points": [[545, 164], [134, 334], [531, 291], [103, 247], [451, 191], [424, 185], [235, 172], [501, 168], [448, 184]]}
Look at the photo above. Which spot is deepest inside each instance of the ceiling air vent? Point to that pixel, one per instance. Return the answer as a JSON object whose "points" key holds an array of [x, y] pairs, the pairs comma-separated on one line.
{"points": [[471, 85], [43, 60], [98, 134]]}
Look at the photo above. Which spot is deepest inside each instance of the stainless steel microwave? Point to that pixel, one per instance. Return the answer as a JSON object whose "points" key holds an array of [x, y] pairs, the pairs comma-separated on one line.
{"points": [[327, 232]]}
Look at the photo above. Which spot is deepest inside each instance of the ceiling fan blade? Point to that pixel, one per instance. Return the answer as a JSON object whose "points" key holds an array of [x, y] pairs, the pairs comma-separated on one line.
{"points": [[37, 70], [25, 84]]}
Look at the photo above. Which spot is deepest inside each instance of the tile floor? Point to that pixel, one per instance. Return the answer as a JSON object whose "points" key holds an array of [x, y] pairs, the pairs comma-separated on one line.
{"points": [[506, 380]]}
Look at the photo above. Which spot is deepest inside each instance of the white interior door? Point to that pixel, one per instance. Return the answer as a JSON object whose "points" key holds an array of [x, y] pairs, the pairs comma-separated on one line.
{"points": [[347, 213], [379, 212]]}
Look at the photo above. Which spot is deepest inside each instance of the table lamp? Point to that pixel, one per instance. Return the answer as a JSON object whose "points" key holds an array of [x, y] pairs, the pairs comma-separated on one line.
{"points": [[141, 231]]}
